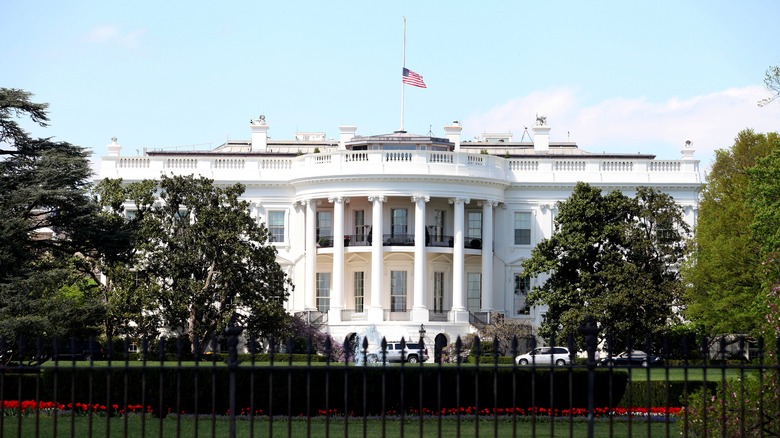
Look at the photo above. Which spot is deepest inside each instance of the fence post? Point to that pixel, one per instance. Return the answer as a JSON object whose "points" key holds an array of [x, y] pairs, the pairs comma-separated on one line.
{"points": [[232, 334], [590, 331]]}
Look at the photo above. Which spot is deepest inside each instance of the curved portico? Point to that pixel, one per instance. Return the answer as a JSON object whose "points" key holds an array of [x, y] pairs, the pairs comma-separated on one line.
{"points": [[398, 257]]}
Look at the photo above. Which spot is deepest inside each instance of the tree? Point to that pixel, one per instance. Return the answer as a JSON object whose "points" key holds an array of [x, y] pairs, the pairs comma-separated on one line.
{"points": [[723, 277], [506, 331], [772, 82], [613, 258], [204, 261], [764, 203], [48, 227]]}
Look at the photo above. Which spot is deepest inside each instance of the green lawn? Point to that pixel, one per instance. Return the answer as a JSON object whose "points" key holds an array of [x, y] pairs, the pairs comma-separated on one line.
{"points": [[692, 374], [83, 426]]}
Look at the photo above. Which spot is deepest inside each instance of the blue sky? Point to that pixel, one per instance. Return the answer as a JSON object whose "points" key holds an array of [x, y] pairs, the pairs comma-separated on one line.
{"points": [[612, 76]]}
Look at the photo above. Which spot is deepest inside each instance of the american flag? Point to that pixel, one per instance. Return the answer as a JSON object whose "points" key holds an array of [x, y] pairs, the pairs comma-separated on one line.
{"points": [[413, 78]]}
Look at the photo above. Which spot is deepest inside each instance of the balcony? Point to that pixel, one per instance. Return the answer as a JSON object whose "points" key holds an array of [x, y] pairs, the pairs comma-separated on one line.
{"points": [[364, 240]]}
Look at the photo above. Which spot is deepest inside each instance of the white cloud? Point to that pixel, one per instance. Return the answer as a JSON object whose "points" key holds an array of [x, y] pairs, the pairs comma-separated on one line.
{"points": [[102, 33], [112, 35], [639, 124]]}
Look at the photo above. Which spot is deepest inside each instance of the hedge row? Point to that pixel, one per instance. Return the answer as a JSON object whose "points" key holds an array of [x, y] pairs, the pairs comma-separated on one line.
{"points": [[300, 390], [659, 393]]}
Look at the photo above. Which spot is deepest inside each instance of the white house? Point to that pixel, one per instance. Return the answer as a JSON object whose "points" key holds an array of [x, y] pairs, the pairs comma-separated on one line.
{"points": [[404, 231]]}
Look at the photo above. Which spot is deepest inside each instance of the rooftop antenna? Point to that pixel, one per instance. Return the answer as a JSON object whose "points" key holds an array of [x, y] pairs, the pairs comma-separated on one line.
{"points": [[430, 130], [525, 131]]}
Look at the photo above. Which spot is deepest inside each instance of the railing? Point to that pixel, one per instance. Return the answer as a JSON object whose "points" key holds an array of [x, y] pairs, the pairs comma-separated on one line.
{"points": [[440, 163], [405, 239], [694, 388]]}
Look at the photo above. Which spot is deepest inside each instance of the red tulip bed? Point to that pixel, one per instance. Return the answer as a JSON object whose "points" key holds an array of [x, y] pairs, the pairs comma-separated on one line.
{"points": [[29, 407]]}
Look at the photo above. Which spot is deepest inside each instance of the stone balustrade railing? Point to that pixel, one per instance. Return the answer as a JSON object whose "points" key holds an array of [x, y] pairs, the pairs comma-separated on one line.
{"points": [[391, 162]]}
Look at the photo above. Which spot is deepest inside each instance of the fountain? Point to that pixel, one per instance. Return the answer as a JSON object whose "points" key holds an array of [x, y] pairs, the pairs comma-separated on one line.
{"points": [[374, 354]]}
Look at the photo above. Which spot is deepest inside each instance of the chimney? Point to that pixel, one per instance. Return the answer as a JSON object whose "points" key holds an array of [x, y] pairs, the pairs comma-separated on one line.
{"points": [[687, 151], [114, 149], [453, 134], [346, 133], [541, 134], [259, 135]]}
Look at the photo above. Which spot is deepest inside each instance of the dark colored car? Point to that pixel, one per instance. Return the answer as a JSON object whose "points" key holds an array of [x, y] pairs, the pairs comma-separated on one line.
{"points": [[631, 358], [78, 349]]}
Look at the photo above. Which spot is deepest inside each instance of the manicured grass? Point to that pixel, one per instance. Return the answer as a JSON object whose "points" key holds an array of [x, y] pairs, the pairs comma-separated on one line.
{"points": [[692, 374], [186, 426]]}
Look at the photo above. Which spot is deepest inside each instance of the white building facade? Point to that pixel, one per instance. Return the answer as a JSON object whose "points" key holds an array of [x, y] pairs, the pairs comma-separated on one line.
{"points": [[405, 232]]}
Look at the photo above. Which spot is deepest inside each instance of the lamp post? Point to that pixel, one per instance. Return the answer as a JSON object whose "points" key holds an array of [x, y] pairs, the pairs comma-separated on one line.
{"points": [[422, 332]]}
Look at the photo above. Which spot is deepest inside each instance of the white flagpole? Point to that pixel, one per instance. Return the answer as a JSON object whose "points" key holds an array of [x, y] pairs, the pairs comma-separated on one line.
{"points": [[403, 62]]}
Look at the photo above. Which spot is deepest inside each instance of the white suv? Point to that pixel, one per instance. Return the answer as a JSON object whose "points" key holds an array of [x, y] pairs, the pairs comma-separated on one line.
{"points": [[545, 355], [411, 354]]}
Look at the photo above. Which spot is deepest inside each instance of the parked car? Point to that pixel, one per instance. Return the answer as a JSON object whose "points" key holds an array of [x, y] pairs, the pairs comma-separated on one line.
{"points": [[78, 349], [545, 355], [395, 353], [631, 358]]}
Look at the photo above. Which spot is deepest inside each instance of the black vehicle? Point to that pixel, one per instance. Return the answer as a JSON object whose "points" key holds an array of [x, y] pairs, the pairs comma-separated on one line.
{"points": [[77, 349], [631, 358]]}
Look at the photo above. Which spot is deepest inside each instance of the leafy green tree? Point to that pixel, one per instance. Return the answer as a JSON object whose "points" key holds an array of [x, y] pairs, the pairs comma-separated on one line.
{"points": [[724, 277], [203, 262], [772, 82], [614, 258], [49, 227]]}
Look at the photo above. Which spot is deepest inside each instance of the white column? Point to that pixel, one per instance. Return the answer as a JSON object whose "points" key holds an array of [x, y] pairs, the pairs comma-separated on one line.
{"points": [[337, 293], [375, 312], [311, 254], [419, 308], [458, 312], [487, 255]]}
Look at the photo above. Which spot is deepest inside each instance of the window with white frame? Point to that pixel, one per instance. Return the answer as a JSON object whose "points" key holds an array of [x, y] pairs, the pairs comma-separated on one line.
{"points": [[276, 225], [438, 226], [323, 291], [438, 292], [522, 228], [360, 288], [361, 232], [325, 228], [474, 225], [397, 291], [399, 222], [474, 291], [522, 288]]}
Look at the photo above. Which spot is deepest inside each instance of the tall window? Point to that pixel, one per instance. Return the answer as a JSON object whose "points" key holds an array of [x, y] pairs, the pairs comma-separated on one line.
{"points": [[438, 292], [438, 226], [474, 225], [474, 291], [399, 222], [323, 291], [276, 225], [325, 227], [360, 288], [522, 288], [360, 226], [522, 228], [397, 291]]}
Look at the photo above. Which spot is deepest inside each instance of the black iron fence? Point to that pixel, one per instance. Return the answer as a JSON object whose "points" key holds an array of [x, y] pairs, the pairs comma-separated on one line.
{"points": [[726, 386]]}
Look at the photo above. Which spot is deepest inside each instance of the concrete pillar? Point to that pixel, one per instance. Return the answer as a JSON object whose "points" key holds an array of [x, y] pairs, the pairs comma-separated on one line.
{"points": [[311, 254], [458, 312], [337, 294], [487, 255], [419, 307], [375, 312]]}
